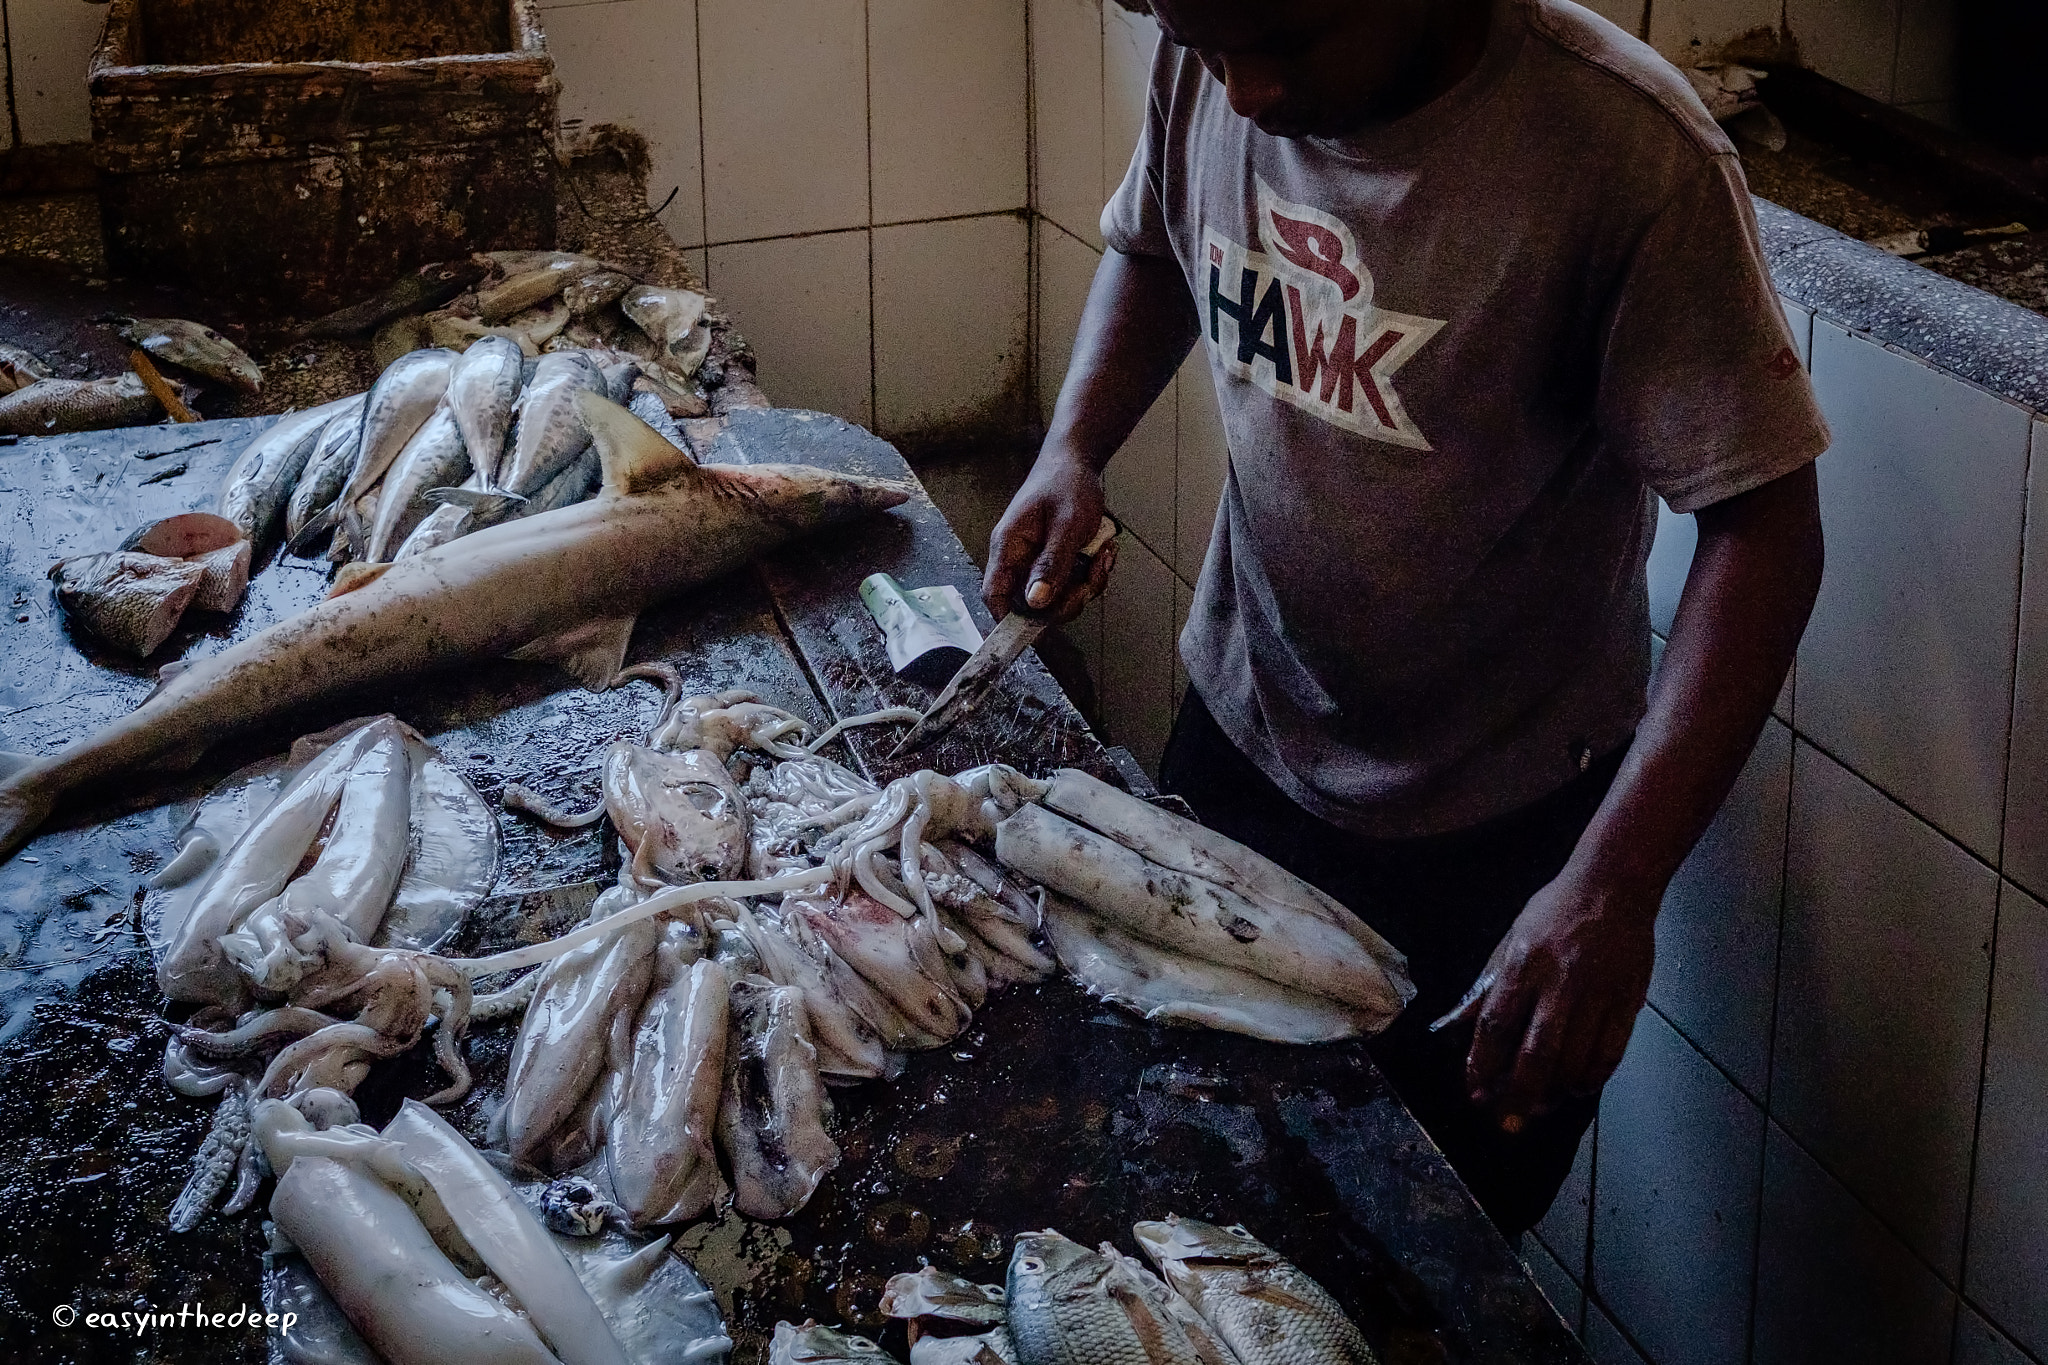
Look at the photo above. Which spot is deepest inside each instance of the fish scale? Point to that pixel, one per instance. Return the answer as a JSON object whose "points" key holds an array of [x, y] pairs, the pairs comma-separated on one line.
{"points": [[1264, 1307], [1072, 1306]]}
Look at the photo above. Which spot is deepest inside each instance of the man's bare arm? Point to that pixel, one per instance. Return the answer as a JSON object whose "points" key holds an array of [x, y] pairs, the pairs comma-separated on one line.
{"points": [[1135, 331], [1556, 1003]]}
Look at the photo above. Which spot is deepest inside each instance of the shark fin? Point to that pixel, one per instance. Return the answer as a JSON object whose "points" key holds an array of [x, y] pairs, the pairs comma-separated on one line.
{"points": [[592, 653], [356, 575], [634, 455]]}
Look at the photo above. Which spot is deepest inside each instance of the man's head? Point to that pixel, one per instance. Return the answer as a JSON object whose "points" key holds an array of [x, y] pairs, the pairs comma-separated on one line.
{"points": [[1323, 68]]}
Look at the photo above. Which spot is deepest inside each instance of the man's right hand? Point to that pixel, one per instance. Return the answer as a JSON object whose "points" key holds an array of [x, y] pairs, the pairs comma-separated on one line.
{"points": [[1033, 553]]}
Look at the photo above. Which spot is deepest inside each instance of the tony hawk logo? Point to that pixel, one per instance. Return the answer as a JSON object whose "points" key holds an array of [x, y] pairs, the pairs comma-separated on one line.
{"points": [[1297, 319]]}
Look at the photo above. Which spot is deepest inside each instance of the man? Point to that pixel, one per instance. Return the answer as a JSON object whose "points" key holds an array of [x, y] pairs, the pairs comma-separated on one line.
{"points": [[1475, 278]]}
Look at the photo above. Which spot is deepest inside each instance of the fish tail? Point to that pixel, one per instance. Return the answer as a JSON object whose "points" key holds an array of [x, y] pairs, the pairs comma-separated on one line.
{"points": [[317, 525], [486, 505], [26, 798]]}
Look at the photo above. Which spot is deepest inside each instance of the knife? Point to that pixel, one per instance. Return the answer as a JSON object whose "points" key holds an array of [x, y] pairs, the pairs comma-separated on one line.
{"points": [[1012, 635]]}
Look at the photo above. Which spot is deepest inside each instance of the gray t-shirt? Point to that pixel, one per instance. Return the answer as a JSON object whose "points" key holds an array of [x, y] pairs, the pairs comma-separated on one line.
{"points": [[1454, 355]]}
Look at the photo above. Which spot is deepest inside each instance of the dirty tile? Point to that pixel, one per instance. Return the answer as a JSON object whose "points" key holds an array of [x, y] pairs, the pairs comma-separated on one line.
{"points": [[803, 303], [1604, 1341], [952, 328], [1800, 319], [1674, 1215], [1626, 15], [1128, 41], [1183, 603], [1681, 29], [1906, 669], [1717, 935], [1979, 1343], [1833, 1283], [698, 266], [1137, 664], [635, 62], [1085, 631], [1066, 268], [2026, 799], [1564, 1295], [1204, 465], [2009, 1208], [785, 117], [1141, 480], [1066, 114], [947, 92], [1565, 1229], [1884, 971], [51, 43], [1853, 42], [1926, 71]]}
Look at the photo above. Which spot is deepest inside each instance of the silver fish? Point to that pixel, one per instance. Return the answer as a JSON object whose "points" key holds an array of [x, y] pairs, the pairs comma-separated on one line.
{"points": [[549, 433], [481, 391], [20, 368], [327, 469], [436, 529], [813, 1344], [1072, 1306], [932, 1293], [674, 320], [1262, 1306], [130, 600], [260, 482], [399, 404], [771, 1119], [595, 292], [577, 481], [661, 1144], [196, 347], [51, 406], [565, 585], [433, 458]]}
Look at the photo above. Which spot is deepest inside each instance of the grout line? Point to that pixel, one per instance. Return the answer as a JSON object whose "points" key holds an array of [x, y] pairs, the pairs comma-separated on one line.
{"points": [[867, 59], [1592, 1202], [1977, 1117], [858, 227], [13, 107], [703, 148], [2037, 434], [1756, 1245], [1867, 780]]}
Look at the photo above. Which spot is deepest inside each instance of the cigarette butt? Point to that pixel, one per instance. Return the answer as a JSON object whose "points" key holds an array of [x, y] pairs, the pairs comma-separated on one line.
{"points": [[160, 387]]}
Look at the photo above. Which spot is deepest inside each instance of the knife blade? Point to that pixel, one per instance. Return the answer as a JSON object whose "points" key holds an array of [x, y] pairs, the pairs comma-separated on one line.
{"points": [[1012, 635]]}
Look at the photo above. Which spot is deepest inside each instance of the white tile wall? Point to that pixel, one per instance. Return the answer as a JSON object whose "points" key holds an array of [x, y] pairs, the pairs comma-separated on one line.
{"points": [[1674, 1222], [1854, 42], [1128, 41], [1066, 267], [1141, 481], [1604, 1341], [1671, 554], [1697, 29], [1564, 1295], [1884, 972], [1979, 1343], [1136, 680], [947, 92], [635, 62], [1204, 465], [2026, 798], [803, 302], [1906, 669], [1066, 113], [2007, 1275], [1833, 1284], [1717, 936], [785, 117], [1566, 1229], [1800, 319], [952, 335], [1627, 15], [52, 43]]}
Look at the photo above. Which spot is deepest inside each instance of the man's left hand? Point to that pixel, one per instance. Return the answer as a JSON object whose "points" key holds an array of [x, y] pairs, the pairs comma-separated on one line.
{"points": [[1559, 997]]}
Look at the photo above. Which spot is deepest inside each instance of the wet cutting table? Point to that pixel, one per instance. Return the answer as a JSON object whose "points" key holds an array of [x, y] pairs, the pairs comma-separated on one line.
{"points": [[1052, 1111]]}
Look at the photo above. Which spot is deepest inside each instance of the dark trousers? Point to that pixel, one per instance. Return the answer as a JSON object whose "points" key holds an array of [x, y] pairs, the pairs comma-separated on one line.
{"points": [[1445, 901]]}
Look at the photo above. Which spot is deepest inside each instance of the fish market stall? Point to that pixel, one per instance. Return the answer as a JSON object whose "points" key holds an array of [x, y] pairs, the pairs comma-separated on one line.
{"points": [[1048, 1108]]}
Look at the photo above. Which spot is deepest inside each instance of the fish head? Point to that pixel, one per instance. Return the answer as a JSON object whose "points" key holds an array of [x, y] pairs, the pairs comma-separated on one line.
{"points": [[1045, 1265], [934, 1293], [1182, 1246], [815, 1342]]}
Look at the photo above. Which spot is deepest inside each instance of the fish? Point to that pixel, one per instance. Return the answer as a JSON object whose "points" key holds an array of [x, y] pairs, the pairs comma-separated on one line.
{"points": [[541, 323], [565, 585], [482, 388], [899, 958], [397, 406], [661, 1143], [848, 1047], [595, 292], [214, 543], [524, 290], [54, 406], [993, 1347], [577, 481], [457, 332], [127, 599], [931, 1293], [771, 1118], [436, 529], [197, 348], [433, 458], [549, 433], [428, 287], [1072, 1306], [260, 482], [327, 469], [674, 320], [813, 1344], [20, 368], [1263, 1307], [681, 815]]}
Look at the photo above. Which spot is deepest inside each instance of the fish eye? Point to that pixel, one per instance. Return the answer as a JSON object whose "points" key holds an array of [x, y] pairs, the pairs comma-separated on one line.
{"points": [[1031, 1265], [1238, 1230], [862, 1344], [997, 1293]]}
